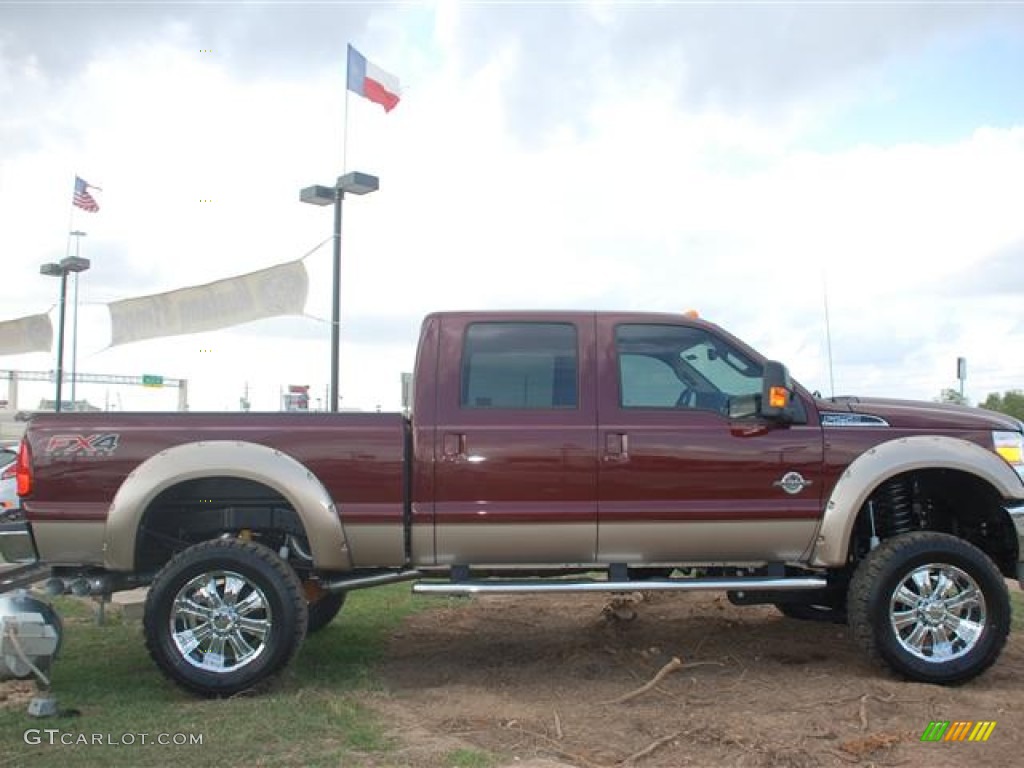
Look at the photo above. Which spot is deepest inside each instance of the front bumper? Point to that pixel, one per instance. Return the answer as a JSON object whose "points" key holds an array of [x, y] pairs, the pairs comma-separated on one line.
{"points": [[18, 546], [1016, 512]]}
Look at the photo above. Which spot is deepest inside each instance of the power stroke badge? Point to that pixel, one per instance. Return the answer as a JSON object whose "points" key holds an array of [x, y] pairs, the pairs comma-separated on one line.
{"points": [[792, 483]]}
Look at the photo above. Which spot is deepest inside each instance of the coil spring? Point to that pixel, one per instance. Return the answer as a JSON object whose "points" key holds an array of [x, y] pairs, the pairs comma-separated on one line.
{"points": [[896, 496]]}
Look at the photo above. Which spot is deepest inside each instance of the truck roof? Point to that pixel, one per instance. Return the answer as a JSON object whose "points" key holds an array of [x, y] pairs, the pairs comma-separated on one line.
{"points": [[538, 314]]}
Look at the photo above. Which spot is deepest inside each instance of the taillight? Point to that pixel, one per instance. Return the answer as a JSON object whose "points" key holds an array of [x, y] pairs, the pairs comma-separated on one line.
{"points": [[23, 469]]}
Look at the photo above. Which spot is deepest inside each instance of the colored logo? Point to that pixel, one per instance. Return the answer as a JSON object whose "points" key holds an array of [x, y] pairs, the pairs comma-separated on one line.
{"points": [[958, 730], [83, 445]]}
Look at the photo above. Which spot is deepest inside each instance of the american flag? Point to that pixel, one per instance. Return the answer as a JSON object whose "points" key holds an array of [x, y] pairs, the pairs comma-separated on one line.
{"points": [[82, 198]]}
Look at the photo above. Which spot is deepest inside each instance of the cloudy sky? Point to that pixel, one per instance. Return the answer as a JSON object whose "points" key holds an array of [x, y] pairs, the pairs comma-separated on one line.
{"points": [[736, 158]]}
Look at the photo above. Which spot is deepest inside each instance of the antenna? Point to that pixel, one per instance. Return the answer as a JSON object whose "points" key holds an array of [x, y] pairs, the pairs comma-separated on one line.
{"points": [[828, 335]]}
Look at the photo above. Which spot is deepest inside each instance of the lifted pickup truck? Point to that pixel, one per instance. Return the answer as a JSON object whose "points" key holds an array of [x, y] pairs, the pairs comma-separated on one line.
{"points": [[656, 450]]}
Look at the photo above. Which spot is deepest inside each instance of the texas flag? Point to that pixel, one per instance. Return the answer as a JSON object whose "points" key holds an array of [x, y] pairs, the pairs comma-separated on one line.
{"points": [[371, 82]]}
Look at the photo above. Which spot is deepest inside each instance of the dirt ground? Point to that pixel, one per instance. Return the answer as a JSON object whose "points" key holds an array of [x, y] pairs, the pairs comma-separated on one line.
{"points": [[535, 681]]}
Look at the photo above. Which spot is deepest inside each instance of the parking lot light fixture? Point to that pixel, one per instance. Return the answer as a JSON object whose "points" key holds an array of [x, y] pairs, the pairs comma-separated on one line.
{"points": [[68, 265], [317, 195], [354, 183]]}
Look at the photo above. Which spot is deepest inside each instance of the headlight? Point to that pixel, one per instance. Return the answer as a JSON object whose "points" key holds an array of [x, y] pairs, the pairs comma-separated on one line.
{"points": [[1010, 445]]}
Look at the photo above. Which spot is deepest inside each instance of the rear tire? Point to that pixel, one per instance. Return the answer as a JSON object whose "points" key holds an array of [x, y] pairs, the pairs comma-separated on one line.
{"points": [[933, 607], [323, 610], [223, 616]]}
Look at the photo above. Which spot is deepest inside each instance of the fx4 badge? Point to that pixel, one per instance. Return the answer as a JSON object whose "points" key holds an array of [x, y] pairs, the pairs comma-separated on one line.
{"points": [[99, 444], [792, 483]]}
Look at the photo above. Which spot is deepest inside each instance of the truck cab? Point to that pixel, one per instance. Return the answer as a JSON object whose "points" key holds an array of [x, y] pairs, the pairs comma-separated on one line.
{"points": [[609, 438]]}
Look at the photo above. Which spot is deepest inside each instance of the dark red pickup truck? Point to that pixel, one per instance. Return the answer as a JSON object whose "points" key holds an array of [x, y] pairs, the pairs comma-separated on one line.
{"points": [[656, 450]]}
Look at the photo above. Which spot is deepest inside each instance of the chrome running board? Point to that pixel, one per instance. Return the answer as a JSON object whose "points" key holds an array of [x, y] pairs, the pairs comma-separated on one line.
{"points": [[511, 587]]}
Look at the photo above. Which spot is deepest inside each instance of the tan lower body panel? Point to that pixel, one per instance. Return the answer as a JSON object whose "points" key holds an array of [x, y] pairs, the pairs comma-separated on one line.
{"points": [[69, 542], [377, 545], [515, 543], [731, 541]]}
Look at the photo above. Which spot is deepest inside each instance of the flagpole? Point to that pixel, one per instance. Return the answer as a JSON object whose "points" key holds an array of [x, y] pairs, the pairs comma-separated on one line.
{"points": [[74, 330], [339, 195], [71, 222], [74, 327], [344, 126], [78, 267], [828, 333]]}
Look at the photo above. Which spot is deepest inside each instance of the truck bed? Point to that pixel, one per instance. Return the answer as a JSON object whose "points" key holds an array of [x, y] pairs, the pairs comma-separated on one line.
{"points": [[81, 459]]}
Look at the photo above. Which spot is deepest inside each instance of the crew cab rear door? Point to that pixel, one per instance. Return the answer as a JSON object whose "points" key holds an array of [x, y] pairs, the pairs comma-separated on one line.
{"points": [[515, 447], [679, 480]]}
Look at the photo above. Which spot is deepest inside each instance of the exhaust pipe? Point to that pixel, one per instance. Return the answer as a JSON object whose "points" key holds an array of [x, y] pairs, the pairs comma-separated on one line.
{"points": [[86, 586]]}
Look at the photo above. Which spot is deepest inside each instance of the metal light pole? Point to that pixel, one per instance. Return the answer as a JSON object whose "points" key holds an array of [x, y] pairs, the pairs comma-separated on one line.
{"points": [[339, 197], [357, 184], [78, 235], [62, 270]]}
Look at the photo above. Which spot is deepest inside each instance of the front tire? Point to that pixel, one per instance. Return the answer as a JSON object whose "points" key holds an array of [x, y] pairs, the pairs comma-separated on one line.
{"points": [[832, 614], [223, 616], [933, 607]]}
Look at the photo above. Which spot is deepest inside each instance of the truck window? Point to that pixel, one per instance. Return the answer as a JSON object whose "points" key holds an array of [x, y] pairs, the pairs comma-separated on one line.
{"points": [[648, 382], [670, 366], [520, 365]]}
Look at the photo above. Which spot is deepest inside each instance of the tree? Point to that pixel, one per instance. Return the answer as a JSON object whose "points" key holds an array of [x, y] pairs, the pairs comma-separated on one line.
{"points": [[1011, 403], [951, 396]]}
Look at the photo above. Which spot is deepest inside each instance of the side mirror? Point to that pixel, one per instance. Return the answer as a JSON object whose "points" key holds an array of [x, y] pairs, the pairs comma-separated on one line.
{"points": [[744, 406], [777, 393]]}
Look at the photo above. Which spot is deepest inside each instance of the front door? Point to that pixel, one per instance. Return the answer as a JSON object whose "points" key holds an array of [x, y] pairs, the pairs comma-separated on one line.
{"points": [[679, 478], [515, 449]]}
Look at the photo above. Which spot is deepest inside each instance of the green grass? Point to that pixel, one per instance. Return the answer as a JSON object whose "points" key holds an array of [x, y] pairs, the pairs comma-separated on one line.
{"points": [[469, 758], [312, 715]]}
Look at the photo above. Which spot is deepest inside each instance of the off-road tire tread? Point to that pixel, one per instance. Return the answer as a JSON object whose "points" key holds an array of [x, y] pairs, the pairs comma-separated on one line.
{"points": [[869, 573], [292, 589], [323, 611], [822, 614]]}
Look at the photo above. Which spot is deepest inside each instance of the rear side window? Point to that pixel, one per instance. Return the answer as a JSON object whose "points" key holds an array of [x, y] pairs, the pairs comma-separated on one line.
{"points": [[520, 365]]}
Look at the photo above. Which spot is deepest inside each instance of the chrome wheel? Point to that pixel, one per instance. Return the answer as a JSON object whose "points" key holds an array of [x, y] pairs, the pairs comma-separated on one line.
{"points": [[931, 606], [937, 612], [220, 621], [224, 616]]}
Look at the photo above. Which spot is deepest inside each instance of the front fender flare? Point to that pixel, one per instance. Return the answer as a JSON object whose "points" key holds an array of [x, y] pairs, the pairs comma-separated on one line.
{"points": [[892, 458], [220, 458]]}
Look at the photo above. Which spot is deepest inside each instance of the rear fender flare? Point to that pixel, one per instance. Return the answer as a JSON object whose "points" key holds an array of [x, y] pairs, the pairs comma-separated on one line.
{"points": [[251, 461], [905, 454]]}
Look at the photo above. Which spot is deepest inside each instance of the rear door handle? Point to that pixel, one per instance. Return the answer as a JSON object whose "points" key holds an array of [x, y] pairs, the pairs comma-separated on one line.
{"points": [[616, 446]]}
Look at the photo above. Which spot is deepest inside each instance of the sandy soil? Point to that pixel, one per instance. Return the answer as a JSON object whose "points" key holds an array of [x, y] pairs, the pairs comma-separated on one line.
{"points": [[535, 680]]}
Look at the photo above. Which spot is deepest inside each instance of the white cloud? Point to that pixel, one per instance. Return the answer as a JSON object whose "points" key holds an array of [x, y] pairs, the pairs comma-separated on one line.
{"points": [[628, 198]]}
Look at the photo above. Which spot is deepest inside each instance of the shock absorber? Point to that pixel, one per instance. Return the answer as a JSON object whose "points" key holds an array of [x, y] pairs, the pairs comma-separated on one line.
{"points": [[896, 497]]}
